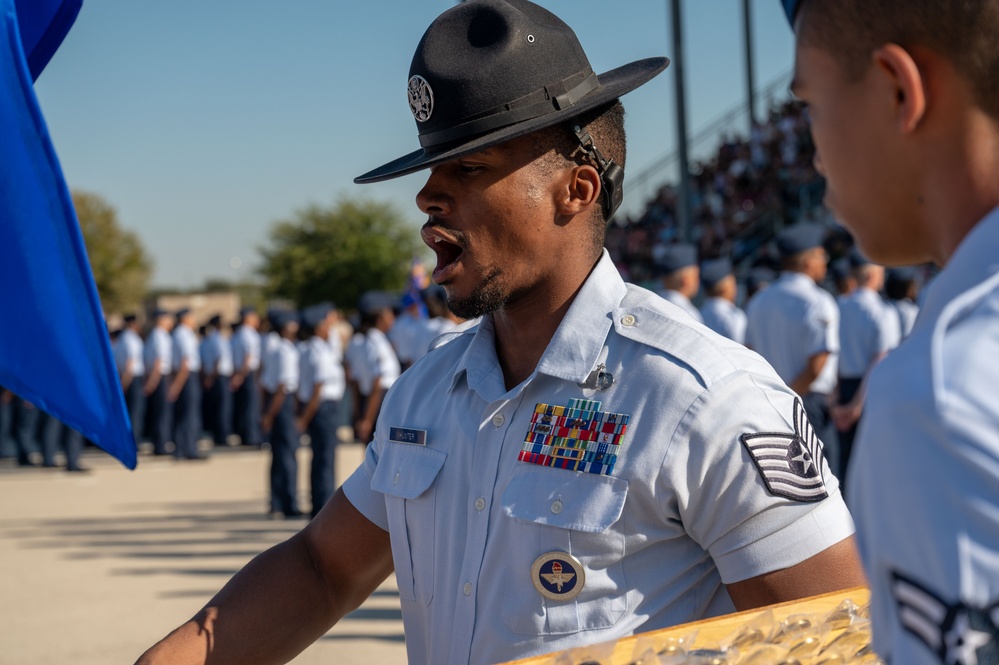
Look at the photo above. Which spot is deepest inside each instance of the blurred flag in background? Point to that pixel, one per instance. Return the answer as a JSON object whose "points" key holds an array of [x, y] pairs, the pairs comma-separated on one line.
{"points": [[54, 346]]}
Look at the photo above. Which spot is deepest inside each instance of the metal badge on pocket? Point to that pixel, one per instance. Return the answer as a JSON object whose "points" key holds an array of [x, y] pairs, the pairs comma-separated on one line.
{"points": [[578, 437], [558, 576]]}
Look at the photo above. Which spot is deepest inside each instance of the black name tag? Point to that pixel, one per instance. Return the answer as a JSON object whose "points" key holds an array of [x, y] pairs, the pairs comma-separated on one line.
{"points": [[416, 437]]}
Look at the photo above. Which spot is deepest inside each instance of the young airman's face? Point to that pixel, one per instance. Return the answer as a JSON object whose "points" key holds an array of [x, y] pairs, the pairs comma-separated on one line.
{"points": [[854, 129], [491, 225]]}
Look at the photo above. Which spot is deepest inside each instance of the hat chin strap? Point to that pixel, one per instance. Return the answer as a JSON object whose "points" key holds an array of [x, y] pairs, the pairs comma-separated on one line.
{"points": [[611, 175]]}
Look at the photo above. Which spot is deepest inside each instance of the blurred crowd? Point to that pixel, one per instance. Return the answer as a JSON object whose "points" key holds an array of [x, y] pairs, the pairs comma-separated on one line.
{"points": [[274, 380], [748, 187]]}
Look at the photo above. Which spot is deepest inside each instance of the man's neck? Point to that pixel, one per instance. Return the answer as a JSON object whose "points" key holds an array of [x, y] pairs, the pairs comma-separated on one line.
{"points": [[525, 327]]}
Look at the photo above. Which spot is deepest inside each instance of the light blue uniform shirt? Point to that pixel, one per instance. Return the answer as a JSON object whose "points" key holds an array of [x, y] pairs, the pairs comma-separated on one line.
{"points": [[926, 469], [246, 342], [405, 337], [185, 347], [353, 358], [270, 362], [383, 363], [319, 365], [684, 509], [281, 367], [791, 321], [907, 312], [216, 349], [868, 327], [683, 302], [724, 318], [128, 349], [430, 330], [158, 351]]}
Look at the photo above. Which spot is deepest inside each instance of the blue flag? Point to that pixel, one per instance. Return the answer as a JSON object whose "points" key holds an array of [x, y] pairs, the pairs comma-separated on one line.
{"points": [[54, 346]]}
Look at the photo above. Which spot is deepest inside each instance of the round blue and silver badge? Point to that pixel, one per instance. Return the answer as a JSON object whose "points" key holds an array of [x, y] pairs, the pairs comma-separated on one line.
{"points": [[558, 576], [421, 98]]}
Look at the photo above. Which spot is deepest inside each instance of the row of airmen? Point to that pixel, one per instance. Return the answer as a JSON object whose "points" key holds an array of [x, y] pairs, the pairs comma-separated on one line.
{"points": [[822, 346], [300, 377], [34, 437]]}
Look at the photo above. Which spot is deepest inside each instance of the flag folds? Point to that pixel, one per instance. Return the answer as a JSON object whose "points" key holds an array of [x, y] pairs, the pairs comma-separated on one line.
{"points": [[54, 346]]}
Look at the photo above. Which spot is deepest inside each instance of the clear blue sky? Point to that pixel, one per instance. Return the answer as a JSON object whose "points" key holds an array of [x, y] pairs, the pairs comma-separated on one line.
{"points": [[204, 122]]}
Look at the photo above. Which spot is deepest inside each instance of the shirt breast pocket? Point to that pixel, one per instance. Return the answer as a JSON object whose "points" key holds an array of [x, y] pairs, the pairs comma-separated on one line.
{"points": [[554, 510], [405, 475]]}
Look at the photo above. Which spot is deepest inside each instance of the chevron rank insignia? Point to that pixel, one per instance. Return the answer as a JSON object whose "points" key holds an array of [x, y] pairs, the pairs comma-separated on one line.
{"points": [[791, 464], [578, 437], [955, 632]]}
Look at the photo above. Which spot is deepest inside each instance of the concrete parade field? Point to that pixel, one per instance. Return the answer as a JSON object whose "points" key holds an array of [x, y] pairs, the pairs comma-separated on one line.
{"points": [[96, 567]]}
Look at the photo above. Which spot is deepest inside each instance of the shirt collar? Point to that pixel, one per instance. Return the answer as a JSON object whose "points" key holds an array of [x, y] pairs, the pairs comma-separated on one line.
{"points": [[574, 350], [974, 260], [795, 276]]}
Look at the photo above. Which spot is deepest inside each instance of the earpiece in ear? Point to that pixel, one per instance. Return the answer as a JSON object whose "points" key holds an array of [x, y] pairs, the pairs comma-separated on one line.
{"points": [[611, 175]]}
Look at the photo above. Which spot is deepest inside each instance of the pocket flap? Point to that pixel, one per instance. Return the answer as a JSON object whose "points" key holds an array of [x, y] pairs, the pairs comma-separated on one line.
{"points": [[566, 499], [405, 470]]}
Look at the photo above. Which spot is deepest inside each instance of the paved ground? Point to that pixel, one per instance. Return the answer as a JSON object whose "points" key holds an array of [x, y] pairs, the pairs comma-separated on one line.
{"points": [[96, 567]]}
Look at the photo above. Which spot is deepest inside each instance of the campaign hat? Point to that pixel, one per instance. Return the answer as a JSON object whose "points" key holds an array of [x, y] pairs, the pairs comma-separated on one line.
{"points": [[487, 71]]}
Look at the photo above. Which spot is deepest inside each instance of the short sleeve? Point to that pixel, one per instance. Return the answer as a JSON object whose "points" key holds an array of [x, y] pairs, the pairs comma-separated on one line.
{"points": [[734, 497], [359, 492], [821, 326]]}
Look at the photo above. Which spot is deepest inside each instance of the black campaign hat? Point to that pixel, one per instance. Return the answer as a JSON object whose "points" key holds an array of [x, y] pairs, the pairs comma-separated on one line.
{"points": [[487, 71]]}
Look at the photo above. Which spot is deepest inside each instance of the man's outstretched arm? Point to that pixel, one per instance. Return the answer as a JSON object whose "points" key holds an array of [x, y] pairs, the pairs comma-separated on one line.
{"points": [[287, 597]]}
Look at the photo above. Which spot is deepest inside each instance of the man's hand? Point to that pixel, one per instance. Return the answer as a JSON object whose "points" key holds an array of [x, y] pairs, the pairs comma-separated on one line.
{"points": [[287, 597], [845, 416]]}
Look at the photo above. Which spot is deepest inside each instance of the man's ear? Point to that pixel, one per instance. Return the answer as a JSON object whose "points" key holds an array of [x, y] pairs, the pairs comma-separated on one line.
{"points": [[904, 80], [581, 191]]}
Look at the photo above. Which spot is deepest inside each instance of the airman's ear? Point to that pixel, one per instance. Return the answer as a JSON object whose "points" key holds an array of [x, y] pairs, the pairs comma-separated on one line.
{"points": [[580, 192], [905, 82]]}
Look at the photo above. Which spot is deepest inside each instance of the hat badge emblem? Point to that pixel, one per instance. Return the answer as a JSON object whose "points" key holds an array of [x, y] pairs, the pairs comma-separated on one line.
{"points": [[421, 98]]}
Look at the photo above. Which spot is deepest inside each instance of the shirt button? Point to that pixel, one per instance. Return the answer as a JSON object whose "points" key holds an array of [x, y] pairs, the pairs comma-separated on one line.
{"points": [[395, 481], [628, 320], [498, 420], [480, 503], [556, 506], [467, 588]]}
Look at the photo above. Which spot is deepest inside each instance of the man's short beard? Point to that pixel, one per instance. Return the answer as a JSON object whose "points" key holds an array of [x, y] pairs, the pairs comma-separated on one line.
{"points": [[485, 299]]}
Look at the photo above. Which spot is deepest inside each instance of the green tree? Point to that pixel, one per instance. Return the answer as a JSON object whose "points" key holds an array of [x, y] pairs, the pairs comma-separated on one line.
{"points": [[119, 263], [338, 253]]}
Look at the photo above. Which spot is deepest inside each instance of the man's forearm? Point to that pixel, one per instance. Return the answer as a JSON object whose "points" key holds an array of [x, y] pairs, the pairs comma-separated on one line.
{"points": [[806, 378], [270, 611]]}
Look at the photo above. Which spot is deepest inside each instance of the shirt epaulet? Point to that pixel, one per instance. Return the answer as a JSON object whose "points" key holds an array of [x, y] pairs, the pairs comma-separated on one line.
{"points": [[642, 317]]}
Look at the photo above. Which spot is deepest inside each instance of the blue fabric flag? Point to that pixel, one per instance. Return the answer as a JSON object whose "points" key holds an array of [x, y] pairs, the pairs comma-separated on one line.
{"points": [[54, 346], [790, 9]]}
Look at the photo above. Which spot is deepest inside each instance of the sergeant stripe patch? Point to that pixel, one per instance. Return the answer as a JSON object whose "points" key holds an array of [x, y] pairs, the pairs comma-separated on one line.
{"points": [[578, 437], [791, 464]]}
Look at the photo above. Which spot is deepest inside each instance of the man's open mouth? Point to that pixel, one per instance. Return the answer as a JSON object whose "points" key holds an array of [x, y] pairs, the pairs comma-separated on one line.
{"points": [[448, 245]]}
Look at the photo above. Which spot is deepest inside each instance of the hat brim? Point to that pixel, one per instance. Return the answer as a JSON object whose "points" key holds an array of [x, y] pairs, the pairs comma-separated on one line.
{"points": [[613, 84]]}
